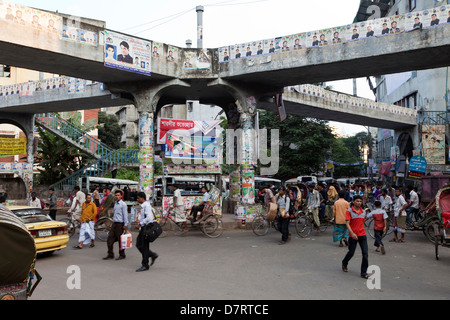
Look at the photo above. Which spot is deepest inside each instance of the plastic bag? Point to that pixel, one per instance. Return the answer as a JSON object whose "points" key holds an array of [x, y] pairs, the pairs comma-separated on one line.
{"points": [[126, 241]]}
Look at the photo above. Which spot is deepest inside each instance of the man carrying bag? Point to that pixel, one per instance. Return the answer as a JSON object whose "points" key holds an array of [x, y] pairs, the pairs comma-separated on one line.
{"points": [[143, 241]]}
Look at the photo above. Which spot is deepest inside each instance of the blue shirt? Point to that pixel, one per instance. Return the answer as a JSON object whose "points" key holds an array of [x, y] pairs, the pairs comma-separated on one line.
{"points": [[120, 212]]}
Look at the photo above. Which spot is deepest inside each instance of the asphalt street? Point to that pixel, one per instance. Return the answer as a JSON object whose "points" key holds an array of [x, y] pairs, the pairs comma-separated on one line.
{"points": [[242, 266]]}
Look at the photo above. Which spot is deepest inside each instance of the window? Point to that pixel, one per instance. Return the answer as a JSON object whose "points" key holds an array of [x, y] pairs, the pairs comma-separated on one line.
{"points": [[409, 101], [412, 5]]}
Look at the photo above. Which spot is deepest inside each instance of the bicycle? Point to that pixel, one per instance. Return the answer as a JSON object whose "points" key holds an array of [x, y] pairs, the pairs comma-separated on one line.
{"points": [[72, 224], [261, 226], [304, 223], [210, 224]]}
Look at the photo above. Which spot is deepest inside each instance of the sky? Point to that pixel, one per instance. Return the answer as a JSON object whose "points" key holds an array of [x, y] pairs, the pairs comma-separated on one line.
{"points": [[225, 22]]}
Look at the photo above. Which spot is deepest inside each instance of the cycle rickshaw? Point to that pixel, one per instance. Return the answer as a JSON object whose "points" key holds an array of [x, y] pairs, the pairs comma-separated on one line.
{"points": [[17, 270], [441, 226]]}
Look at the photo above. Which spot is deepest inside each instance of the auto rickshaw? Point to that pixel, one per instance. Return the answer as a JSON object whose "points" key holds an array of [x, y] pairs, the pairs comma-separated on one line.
{"points": [[442, 225], [17, 258]]}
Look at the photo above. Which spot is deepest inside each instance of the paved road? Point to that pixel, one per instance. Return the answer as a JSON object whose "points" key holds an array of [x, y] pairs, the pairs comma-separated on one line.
{"points": [[240, 265]]}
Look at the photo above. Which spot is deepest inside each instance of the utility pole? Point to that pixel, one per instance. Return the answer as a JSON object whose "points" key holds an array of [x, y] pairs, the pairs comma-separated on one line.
{"points": [[200, 10]]}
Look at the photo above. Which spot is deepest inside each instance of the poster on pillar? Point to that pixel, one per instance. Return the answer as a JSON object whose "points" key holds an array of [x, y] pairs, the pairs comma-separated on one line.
{"points": [[127, 53], [146, 155], [433, 143]]}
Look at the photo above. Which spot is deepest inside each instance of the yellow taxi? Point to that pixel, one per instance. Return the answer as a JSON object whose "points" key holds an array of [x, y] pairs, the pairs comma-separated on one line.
{"points": [[49, 235]]}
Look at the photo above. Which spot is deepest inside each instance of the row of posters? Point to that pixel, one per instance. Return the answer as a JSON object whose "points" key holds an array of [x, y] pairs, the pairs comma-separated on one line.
{"points": [[341, 98], [351, 32], [44, 21], [27, 89]]}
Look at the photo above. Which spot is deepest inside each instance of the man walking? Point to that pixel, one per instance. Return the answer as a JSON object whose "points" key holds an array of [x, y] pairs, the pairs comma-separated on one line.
{"points": [[313, 204], [119, 227], [355, 225], [87, 233], [142, 244], [52, 203]]}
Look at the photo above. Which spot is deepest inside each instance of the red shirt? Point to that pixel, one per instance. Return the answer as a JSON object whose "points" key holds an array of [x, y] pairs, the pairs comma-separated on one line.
{"points": [[357, 221]]}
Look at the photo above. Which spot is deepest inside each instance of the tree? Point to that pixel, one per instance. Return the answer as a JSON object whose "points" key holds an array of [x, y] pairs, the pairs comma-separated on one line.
{"points": [[304, 143], [109, 130], [57, 158]]}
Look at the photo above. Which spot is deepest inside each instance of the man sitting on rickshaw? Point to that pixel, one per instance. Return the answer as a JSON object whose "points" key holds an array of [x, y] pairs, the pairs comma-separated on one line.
{"points": [[196, 209]]}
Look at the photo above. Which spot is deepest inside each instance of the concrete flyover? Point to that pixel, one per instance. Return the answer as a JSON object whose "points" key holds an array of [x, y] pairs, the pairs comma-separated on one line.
{"points": [[303, 100]]}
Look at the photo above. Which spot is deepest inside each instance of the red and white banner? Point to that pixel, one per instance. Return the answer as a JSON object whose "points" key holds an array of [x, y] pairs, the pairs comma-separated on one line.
{"points": [[191, 127]]}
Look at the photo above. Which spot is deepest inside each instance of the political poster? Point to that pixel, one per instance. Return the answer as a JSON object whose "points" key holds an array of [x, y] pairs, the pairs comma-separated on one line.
{"points": [[79, 35], [173, 54], [192, 148], [414, 20], [224, 54], [31, 18], [433, 143], [435, 17], [127, 53]]}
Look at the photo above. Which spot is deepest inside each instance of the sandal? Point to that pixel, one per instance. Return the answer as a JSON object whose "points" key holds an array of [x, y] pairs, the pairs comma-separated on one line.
{"points": [[78, 247], [92, 245], [344, 268], [365, 276]]}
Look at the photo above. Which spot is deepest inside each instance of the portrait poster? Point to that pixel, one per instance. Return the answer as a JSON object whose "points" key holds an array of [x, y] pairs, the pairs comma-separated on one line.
{"points": [[250, 49], [339, 35], [224, 54], [203, 61], [31, 18], [397, 24], [173, 54], [157, 50], [190, 60], [299, 41], [127, 53], [369, 28], [287, 43], [353, 32], [433, 144], [414, 20], [435, 17], [268, 46]]}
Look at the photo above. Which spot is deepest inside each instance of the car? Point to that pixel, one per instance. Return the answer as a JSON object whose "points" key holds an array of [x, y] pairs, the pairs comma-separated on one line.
{"points": [[49, 235]]}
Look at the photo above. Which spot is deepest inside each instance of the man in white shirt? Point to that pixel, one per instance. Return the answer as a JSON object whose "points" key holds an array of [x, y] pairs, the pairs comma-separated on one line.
{"points": [[178, 207], [400, 216], [77, 202], [386, 201], [142, 244], [35, 202], [198, 209], [314, 203], [413, 207]]}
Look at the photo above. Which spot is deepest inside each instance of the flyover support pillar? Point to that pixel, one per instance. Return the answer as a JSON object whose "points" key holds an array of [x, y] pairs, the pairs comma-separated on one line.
{"points": [[146, 143]]}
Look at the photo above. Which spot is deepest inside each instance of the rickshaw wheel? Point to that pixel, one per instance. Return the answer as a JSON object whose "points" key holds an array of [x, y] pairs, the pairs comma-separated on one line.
{"points": [[260, 226], [212, 227], [436, 247], [303, 225], [102, 228]]}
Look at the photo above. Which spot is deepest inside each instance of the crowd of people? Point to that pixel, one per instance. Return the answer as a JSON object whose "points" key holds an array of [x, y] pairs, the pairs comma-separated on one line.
{"points": [[347, 207]]}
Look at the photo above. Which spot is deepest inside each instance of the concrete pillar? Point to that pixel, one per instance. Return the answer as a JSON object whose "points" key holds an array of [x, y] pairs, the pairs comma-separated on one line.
{"points": [[146, 153]]}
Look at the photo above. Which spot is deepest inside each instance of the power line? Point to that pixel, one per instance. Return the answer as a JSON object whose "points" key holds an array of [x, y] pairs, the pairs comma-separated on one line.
{"points": [[182, 13]]}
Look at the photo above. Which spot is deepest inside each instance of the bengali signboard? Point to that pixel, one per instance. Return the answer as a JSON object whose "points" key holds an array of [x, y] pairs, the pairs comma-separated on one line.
{"points": [[12, 146], [127, 53], [417, 167]]}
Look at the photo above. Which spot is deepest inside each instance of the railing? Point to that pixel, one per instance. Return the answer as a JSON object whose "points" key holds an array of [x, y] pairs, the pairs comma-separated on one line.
{"points": [[433, 117], [73, 135], [101, 167]]}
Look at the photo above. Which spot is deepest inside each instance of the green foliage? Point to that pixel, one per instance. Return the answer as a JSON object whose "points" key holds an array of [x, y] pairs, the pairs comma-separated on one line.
{"points": [[57, 158], [304, 143], [109, 131]]}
